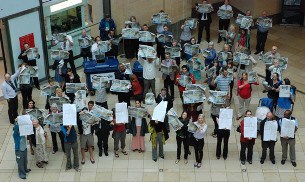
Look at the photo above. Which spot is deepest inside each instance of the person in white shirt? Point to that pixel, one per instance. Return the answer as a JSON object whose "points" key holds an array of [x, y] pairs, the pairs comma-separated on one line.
{"points": [[94, 48], [67, 45], [9, 91], [150, 66], [224, 21]]}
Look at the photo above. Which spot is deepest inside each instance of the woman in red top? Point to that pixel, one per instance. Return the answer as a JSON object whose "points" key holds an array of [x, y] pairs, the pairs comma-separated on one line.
{"points": [[246, 142], [136, 87], [244, 94]]}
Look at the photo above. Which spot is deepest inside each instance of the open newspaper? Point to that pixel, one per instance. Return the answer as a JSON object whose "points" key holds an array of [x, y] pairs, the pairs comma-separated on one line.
{"points": [[59, 101], [174, 51], [173, 119], [165, 38], [54, 118], [206, 53], [59, 54], [266, 58], [192, 127], [244, 22], [223, 33], [120, 86], [191, 23], [160, 18], [224, 13], [101, 112], [194, 64], [88, 118], [223, 56], [147, 51], [150, 99], [217, 100], [241, 58], [80, 99], [60, 37], [283, 62], [146, 36], [128, 70], [99, 82], [104, 46], [49, 90], [38, 114], [84, 42], [218, 93], [284, 91], [199, 87], [32, 53], [116, 41], [211, 71], [193, 96], [184, 80], [24, 76], [191, 49], [252, 77], [137, 112], [133, 24], [74, 87], [167, 69], [33, 71], [205, 8], [264, 22], [130, 33]]}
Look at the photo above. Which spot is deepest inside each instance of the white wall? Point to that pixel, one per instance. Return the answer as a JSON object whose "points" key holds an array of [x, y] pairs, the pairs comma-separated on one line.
{"points": [[23, 25], [10, 7]]}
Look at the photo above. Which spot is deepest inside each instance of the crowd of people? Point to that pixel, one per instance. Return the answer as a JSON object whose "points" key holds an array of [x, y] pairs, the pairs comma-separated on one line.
{"points": [[227, 76]]}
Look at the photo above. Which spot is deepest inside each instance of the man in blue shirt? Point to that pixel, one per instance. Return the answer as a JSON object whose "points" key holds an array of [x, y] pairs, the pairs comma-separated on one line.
{"points": [[261, 36], [105, 26]]}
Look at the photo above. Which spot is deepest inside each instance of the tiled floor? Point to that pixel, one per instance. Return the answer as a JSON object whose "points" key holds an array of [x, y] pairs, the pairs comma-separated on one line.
{"points": [[140, 167]]}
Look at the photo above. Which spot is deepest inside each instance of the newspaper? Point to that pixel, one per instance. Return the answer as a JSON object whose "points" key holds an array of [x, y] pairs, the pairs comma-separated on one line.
{"points": [[84, 42], [241, 58], [194, 64], [60, 37], [211, 71], [266, 58], [218, 93], [191, 49], [24, 76], [99, 82], [59, 54], [184, 80], [199, 87], [192, 127], [49, 90], [80, 100], [120, 86], [74, 87], [224, 13], [137, 112], [160, 18], [174, 51], [150, 99], [38, 114], [146, 36], [32, 53], [223, 56], [59, 101], [147, 51], [101, 112], [283, 63], [167, 69], [88, 118], [264, 22], [217, 100], [284, 91], [173, 120], [193, 96], [223, 33], [133, 24], [165, 38], [130, 33], [191, 23], [205, 8], [128, 70], [244, 22], [104, 46], [33, 71], [53, 118], [206, 53], [252, 77]]}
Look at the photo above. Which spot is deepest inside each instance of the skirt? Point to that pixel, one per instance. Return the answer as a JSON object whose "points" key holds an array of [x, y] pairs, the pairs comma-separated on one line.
{"points": [[138, 141], [41, 153]]}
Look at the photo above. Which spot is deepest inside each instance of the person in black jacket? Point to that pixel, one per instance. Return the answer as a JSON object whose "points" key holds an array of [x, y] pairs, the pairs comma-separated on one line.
{"points": [[182, 137], [70, 77], [121, 75], [164, 96], [205, 21], [267, 144], [138, 129]]}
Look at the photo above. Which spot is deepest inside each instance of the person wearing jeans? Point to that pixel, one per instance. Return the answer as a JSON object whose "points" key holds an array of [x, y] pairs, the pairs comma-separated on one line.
{"points": [[157, 130], [71, 144], [119, 131], [198, 138]]}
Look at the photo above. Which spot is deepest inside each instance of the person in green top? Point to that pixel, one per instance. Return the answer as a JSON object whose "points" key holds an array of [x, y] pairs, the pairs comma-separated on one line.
{"points": [[181, 136]]}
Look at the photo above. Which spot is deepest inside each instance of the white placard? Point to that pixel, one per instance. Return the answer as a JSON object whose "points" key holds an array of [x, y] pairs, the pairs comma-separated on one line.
{"points": [[287, 128], [69, 114], [284, 91], [225, 118], [25, 125], [250, 127], [270, 131], [121, 113], [160, 111]]}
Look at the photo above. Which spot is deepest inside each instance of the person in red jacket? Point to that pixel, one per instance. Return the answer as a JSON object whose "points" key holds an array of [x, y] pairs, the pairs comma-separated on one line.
{"points": [[246, 143], [244, 90], [184, 72], [136, 87]]}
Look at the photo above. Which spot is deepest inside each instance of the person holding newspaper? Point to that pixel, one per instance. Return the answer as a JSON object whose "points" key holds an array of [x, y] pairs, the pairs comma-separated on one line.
{"points": [[284, 103], [182, 137], [26, 89], [224, 18], [121, 75], [70, 77], [107, 24], [205, 20], [131, 46], [85, 42], [262, 34], [285, 140], [223, 83], [169, 79]]}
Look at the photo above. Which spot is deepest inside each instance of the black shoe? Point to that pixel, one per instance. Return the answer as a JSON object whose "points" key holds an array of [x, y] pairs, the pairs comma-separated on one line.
{"points": [[264, 91], [106, 153], [262, 161], [100, 153], [225, 158], [218, 157], [208, 41], [23, 178], [273, 161], [218, 41], [283, 162], [294, 164], [27, 171], [155, 160], [250, 162], [198, 42], [243, 162], [38, 87], [86, 149], [162, 157], [256, 53], [189, 152]]}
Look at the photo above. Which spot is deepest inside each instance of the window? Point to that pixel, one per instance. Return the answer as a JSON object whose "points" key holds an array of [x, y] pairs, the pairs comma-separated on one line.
{"points": [[67, 20]]}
